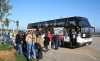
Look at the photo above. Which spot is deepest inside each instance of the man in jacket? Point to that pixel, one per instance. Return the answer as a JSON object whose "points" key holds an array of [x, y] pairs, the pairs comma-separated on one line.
{"points": [[30, 40]]}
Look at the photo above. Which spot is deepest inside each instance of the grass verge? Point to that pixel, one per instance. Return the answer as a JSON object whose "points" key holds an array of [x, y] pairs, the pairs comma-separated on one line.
{"points": [[5, 47], [22, 58]]}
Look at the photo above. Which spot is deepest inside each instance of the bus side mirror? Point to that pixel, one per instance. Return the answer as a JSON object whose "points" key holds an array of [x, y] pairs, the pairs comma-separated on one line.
{"points": [[93, 28]]}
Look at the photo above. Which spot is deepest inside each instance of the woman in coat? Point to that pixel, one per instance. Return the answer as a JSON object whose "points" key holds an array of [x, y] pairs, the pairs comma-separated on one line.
{"points": [[39, 40]]}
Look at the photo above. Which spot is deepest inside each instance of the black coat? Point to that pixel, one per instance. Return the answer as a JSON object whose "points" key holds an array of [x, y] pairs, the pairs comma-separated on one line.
{"points": [[46, 40]]}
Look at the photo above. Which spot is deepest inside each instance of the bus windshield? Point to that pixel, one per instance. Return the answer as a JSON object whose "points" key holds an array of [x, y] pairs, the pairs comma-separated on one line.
{"points": [[83, 22]]}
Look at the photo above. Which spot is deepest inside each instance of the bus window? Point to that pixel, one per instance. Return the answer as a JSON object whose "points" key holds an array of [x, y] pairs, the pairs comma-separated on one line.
{"points": [[51, 23], [83, 22], [35, 25], [29, 26], [71, 22], [60, 23], [46, 24], [41, 24]]}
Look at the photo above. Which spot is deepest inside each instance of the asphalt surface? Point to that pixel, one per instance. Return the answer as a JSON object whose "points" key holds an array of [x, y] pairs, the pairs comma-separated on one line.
{"points": [[85, 53]]}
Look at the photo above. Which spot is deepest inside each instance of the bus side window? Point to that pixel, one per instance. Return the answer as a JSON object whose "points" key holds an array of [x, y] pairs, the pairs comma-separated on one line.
{"points": [[71, 22], [51, 24], [46, 24], [60, 23]]}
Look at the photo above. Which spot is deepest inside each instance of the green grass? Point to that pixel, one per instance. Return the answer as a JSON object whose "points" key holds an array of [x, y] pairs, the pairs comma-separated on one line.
{"points": [[1, 59], [5, 47], [18, 57], [21, 58]]}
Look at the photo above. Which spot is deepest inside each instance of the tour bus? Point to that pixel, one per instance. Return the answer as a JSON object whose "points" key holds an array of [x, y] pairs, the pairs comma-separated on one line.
{"points": [[64, 26]]}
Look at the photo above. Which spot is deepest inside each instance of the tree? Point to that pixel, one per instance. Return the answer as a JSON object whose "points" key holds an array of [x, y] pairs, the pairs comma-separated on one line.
{"points": [[17, 24], [6, 23], [2, 25], [4, 8]]}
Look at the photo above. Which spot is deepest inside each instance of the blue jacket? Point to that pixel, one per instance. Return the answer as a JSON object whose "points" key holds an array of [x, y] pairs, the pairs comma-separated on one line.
{"points": [[8, 36], [53, 37]]}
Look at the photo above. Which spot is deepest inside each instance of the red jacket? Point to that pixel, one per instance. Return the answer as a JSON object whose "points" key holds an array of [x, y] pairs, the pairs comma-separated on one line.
{"points": [[60, 36], [50, 36]]}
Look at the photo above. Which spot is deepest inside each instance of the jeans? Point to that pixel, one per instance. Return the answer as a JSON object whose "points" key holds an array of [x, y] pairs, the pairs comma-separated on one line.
{"points": [[56, 45], [19, 49], [7, 40], [31, 46], [11, 41]]}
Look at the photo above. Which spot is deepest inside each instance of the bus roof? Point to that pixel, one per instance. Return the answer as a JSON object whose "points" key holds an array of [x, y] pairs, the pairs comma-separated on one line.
{"points": [[56, 19]]}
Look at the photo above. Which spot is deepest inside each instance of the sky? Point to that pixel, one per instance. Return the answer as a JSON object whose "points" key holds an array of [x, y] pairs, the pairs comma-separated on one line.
{"points": [[27, 11]]}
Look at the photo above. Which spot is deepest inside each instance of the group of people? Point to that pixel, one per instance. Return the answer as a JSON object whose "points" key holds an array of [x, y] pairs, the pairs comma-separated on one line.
{"points": [[35, 42], [8, 37]]}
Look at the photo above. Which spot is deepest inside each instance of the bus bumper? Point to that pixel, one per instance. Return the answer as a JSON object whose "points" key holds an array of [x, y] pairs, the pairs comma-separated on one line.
{"points": [[83, 44]]}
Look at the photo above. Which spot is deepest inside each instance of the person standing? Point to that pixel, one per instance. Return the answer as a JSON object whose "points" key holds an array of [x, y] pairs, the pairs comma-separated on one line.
{"points": [[57, 38], [24, 46], [19, 42], [46, 42], [11, 37], [30, 40], [14, 37], [53, 41], [73, 38], [40, 40], [8, 38], [50, 36]]}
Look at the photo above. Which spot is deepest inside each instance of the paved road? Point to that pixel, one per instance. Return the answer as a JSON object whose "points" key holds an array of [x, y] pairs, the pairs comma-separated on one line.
{"points": [[86, 53]]}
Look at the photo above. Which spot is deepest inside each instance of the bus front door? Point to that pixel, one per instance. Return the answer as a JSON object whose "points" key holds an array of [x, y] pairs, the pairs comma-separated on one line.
{"points": [[73, 36]]}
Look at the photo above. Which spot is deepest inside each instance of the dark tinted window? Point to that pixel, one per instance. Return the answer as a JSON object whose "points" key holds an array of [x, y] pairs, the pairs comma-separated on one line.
{"points": [[60, 22], [51, 23], [35, 25], [41, 24], [83, 22], [71, 22], [29, 26], [46, 23]]}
